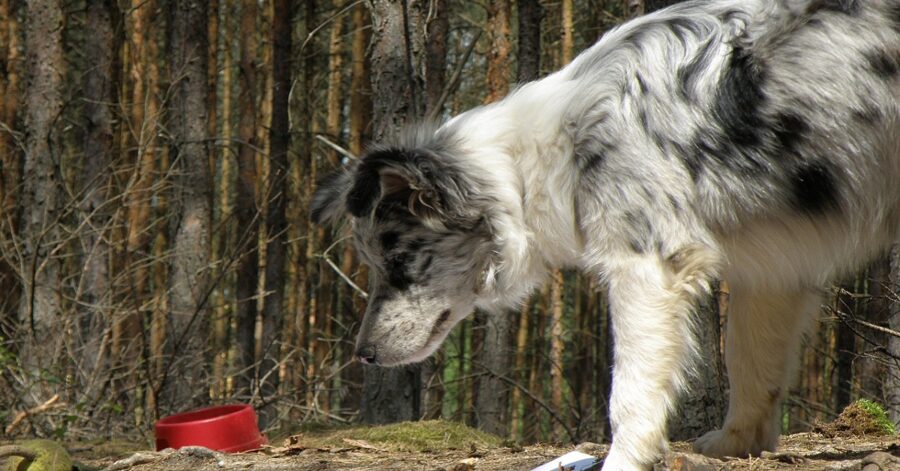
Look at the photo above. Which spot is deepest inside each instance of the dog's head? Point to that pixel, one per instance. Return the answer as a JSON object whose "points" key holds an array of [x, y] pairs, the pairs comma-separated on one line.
{"points": [[419, 222]]}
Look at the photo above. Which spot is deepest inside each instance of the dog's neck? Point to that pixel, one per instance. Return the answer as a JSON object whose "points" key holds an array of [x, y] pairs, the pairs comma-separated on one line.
{"points": [[520, 149]]}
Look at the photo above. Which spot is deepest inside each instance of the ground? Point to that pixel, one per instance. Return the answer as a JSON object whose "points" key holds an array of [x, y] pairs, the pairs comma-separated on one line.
{"points": [[850, 443], [439, 445]]}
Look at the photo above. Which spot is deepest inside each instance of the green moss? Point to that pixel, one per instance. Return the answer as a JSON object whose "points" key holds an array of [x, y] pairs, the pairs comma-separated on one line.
{"points": [[435, 435], [36, 455], [878, 415]]}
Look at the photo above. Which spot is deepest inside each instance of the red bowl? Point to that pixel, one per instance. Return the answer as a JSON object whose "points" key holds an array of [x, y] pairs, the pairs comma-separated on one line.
{"points": [[231, 429]]}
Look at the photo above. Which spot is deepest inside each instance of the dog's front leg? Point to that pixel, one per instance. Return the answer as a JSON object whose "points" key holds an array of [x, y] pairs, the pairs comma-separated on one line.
{"points": [[650, 308]]}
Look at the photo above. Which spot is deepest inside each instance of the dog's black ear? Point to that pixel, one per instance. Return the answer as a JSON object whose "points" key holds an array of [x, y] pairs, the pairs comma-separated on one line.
{"points": [[328, 203], [431, 188]]}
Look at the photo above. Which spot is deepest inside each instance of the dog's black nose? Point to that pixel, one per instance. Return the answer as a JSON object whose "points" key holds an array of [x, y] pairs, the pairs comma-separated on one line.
{"points": [[366, 354]]}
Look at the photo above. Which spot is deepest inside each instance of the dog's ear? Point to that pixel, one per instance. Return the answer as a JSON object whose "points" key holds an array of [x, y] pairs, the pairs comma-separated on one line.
{"points": [[329, 201], [431, 189]]}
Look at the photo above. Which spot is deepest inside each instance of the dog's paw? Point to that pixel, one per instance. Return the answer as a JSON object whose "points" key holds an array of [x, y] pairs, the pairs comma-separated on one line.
{"points": [[616, 461], [734, 442], [722, 443]]}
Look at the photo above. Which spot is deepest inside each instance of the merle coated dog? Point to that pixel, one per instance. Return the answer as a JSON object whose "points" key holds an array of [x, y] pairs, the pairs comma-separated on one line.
{"points": [[751, 140]]}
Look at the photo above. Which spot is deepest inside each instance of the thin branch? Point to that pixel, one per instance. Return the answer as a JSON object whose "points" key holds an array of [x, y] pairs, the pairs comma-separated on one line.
{"points": [[454, 79], [339, 149], [534, 398], [21, 416]]}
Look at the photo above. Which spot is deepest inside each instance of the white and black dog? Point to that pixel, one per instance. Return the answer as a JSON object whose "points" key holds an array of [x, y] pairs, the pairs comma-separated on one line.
{"points": [[753, 140]]}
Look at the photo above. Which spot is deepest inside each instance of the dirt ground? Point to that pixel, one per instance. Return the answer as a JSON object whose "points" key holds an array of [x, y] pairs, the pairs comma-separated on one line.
{"points": [[801, 452]]}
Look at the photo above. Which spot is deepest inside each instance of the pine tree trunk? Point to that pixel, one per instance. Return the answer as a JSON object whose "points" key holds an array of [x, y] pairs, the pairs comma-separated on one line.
{"points": [[98, 87], [499, 49], [360, 91], [529, 48], [9, 101], [187, 325], [144, 73], [276, 223], [892, 382], [246, 207], [436, 61], [492, 360], [703, 408], [568, 32], [394, 394], [39, 309], [557, 346]]}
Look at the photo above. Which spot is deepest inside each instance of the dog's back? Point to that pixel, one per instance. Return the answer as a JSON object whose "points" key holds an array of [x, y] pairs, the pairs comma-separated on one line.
{"points": [[767, 122]]}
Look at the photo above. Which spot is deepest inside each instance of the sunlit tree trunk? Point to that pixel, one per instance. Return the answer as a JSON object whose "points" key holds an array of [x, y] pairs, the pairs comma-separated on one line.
{"points": [[143, 118]]}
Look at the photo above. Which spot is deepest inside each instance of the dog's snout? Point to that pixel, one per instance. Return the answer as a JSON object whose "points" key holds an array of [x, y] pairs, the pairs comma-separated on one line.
{"points": [[366, 354]]}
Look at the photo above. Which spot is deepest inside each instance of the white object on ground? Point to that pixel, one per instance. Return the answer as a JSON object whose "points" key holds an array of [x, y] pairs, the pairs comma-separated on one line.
{"points": [[574, 461]]}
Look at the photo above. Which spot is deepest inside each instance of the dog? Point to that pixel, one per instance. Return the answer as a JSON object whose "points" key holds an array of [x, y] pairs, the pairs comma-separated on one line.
{"points": [[754, 141]]}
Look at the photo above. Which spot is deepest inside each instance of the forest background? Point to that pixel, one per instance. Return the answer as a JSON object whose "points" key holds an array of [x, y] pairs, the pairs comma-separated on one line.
{"points": [[157, 159]]}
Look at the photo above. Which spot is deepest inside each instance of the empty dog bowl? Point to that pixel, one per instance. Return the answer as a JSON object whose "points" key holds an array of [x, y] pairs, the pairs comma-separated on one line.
{"points": [[230, 428]]}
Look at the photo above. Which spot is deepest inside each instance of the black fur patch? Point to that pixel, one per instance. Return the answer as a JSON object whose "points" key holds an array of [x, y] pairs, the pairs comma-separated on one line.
{"points": [[847, 7], [365, 192], [790, 130], [389, 240], [398, 271], [814, 189], [894, 15], [739, 98], [591, 162], [882, 64]]}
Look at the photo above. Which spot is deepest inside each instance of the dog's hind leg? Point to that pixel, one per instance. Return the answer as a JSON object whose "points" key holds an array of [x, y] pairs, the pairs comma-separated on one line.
{"points": [[651, 301], [761, 353]]}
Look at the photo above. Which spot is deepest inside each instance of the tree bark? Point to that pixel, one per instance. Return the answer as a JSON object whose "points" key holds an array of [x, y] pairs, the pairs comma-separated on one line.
{"points": [[557, 346], [492, 406], [703, 408], [892, 382], [187, 325], [392, 395], [247, 207], [568, 31], [491, 360], [438, 28], [9, 101], [276, 223], [529, 47], [98, 87], [39, 309], [499, 49], [360, 91]]}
